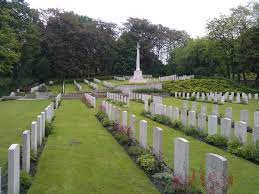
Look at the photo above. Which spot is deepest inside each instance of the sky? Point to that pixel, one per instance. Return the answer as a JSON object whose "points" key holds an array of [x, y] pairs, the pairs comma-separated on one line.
{"points": [[188, 15]]}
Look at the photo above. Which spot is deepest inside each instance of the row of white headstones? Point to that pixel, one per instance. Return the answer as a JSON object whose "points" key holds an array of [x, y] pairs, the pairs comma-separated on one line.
{"points": [[118, 97], [90, 99], [189, 118], [218, 97], [32, 139], [175, 77], [91, 84], [108, 84], [215, 164], [244, 114]]}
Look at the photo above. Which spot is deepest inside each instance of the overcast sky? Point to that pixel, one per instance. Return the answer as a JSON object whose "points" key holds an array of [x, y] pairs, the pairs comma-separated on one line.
{"points": [[188, 15]]}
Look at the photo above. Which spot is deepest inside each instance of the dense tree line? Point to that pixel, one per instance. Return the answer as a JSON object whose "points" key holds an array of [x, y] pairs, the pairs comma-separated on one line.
{"points": [[230, 48], [38, 45]]}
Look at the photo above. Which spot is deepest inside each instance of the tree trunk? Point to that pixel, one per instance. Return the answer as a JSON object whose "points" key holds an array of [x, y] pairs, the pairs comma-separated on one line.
{"points": [[244, 76], [228, 70]]}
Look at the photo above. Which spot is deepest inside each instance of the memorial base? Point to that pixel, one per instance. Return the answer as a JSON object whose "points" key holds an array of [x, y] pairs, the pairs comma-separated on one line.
{"points": [[137, 77]]}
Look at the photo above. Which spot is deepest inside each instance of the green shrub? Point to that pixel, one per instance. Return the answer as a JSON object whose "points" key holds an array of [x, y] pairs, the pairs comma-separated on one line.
{"points": [[163, 119], [164, 176], [202, 134], [106, 122], [148, 163], [190, 131], [136, 151], [100, 115], [150, 100], [233, 145], [33, 157], [206, 85], [192, 98], [257, 151], [216, 140], [177, 125], [49, 128], [247, 152], [122, 139], [26, 180]]}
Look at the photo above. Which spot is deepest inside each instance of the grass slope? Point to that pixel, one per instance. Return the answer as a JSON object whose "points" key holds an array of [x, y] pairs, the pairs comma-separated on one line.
{"points": [[15, 117], [82, 157], [205, 85], [246, 176]]}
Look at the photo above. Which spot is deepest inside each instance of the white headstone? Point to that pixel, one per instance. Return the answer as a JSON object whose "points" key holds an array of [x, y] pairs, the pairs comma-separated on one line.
{"points": [[244, 116], [181, 159], [226, 127], [184, 117], [14, 169], [212, 125], [34, 136], [241, 131], [124, 118], [143, 133], [39, 129], [215, 110], [204, 108], [201, 122], [256, 118], [256, 133], [146, 105], [228, 112], [157, 142], [132, 125], [216, 174], [192, 118], [26, 151]]}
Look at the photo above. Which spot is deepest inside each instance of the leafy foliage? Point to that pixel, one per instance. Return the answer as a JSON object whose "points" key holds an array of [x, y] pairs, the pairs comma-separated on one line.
{"points": [[205, 85], [148, 163]]}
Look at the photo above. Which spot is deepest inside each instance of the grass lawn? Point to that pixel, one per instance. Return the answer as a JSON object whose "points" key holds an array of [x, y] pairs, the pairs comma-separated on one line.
{"points": [[55, 89], [117, 82], [15, 117], [245, 173], [251, 107], [82, 157], [70, 88], [85, 87]]}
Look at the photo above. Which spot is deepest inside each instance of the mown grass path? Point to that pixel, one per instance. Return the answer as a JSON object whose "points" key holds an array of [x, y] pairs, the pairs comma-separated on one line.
{"points": [[82, 157], [245, 173]]}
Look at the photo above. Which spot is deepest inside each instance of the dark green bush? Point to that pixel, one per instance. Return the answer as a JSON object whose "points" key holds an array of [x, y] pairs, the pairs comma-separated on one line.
{"points": [[136, 151], [49, 128], [100, 115], [163, 119], [192, 98], [148, 163], [257, 151], [206, 85], [164, 176], [122, 139], [247, 152], [190, 131], [234, 145], [177, 125], [26, 180], [216, 140], [106, 122]]}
